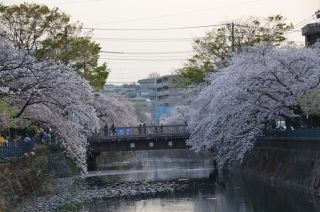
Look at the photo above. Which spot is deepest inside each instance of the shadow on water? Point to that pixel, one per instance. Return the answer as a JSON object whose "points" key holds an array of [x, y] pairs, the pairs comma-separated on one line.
{"points": [[257, 195], [207, 190]]}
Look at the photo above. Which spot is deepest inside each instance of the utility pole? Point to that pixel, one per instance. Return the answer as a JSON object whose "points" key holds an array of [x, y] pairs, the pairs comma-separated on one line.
{"points": [[232, 37], [156, 102]]}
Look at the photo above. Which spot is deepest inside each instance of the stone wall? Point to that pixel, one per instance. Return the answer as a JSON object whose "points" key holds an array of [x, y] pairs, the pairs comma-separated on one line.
{"points": [[60, 166], [293, 161], [28, 175], [22, 177]]}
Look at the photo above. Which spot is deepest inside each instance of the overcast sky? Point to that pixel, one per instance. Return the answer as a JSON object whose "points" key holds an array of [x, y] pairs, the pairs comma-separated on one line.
{"points": [[148, 14]]}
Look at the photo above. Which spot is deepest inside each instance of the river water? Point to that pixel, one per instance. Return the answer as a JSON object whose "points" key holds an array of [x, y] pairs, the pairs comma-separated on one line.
{"points": [[229, 192]]}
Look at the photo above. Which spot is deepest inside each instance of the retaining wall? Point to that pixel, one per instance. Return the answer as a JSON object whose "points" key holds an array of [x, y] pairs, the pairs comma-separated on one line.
{"points": [[293, 161], [22, 177], [30, 174]]}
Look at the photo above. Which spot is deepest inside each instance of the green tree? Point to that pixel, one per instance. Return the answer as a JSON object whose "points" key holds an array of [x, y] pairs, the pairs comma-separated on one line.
{"points": [[49, 33], [6, 115], [213, 51], [80, 53]]}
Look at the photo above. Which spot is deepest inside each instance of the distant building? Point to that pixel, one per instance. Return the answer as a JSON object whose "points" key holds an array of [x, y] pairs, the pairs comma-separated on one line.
{"points": [[132, 92], [155, 96], [168, 93], [311, 33], [163, 93], [148, 88], [129, 91]]}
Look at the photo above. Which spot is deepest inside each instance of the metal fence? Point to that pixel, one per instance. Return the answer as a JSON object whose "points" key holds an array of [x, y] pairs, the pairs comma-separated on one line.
{"points": [[297, 133], [145, 131], [16, 149]]}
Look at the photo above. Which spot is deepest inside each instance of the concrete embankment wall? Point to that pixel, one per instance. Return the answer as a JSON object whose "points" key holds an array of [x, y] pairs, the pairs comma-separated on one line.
{"points": [[21, 177], [31, 174], [293, 161]]}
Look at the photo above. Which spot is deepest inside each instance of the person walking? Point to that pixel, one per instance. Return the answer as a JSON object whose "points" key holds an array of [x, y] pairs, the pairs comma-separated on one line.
{"points": [[6, 141], [106, 129], [161, 128], [144, 128], [26, 144], [47, 138], [113, 130], [140, 129], [2, 138]]}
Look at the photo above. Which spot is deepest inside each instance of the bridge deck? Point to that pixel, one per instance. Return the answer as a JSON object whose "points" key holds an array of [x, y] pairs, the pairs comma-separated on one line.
{"points": [[142, 133], [141, 138]]}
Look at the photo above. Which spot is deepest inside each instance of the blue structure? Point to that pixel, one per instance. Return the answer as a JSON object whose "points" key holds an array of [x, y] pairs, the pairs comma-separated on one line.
{"points": [[16, 149], [160, 111]]}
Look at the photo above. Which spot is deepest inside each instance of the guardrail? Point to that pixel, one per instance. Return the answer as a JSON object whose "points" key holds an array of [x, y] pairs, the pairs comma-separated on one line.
{"points": [[297, 133], [145, 131], [16, 149]]}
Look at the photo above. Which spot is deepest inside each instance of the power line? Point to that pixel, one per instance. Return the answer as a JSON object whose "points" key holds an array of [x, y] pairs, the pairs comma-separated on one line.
{"points": [[142, 56], [131, 78], [129, 82], [118, 52], [146, 40], [75, 2], [138, 59], [296, 26], [117, 82], [300, 23], [136, 80], [293, 31], [153, 29], [143, 39], [174, 28], [178, 14]]}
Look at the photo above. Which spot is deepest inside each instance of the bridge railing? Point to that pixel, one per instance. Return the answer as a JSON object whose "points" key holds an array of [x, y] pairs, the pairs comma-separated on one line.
{"points": [[16, 149], [146, 131], [297, 133]]}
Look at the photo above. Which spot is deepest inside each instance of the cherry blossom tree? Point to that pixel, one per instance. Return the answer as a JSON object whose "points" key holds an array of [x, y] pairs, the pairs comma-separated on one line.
{"points": [[261, 84], [180, 115], [46, 93], [115, 109]]}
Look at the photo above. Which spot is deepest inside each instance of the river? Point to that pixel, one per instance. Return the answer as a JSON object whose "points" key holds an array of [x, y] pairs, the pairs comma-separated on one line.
{"points": [[230, 192]]}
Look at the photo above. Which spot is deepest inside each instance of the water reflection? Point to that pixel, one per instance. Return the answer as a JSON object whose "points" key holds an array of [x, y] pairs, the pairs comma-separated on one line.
{"points": [[239, 193]]}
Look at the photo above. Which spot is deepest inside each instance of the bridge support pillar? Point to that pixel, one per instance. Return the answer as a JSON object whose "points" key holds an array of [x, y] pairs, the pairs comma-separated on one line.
{"points": [[92, 161]]}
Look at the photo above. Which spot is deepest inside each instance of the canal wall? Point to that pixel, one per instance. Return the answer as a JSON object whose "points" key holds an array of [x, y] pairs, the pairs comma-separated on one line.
{"points": [[61, 166], [32, 174], [292, 161], [20, 177]]}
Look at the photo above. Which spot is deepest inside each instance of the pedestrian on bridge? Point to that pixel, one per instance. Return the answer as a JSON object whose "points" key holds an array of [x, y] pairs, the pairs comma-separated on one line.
{"points": [[113, 130], [106, 129], [144, 128], [161, 128], [140, 129]]}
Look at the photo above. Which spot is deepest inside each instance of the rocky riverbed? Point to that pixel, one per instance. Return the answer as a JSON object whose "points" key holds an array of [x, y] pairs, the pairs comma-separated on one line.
{"points": [[69, 194]]}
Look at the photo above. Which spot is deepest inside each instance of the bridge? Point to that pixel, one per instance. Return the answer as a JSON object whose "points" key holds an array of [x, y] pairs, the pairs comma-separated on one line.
{"points": [[137, 138]]}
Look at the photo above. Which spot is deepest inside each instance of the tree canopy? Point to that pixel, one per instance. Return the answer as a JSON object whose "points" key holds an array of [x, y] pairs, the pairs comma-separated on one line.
{"points": [[114, 109], [180, 115], [49, 33], [262, 84], [42, 93], [213, 51]]}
